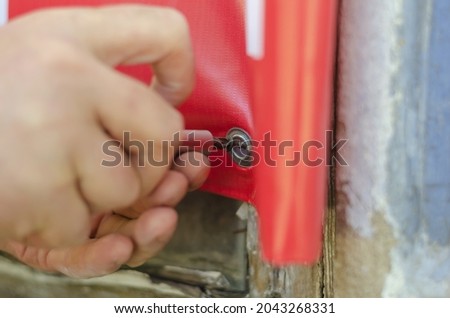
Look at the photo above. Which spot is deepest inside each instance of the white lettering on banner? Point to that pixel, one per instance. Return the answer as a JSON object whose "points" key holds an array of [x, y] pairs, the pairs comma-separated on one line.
{"points": [[3, 12], [255, 18]]}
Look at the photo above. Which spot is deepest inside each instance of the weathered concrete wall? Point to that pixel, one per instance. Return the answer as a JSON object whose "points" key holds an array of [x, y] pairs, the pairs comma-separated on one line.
{"points": [[393, 220], [17, 280]]}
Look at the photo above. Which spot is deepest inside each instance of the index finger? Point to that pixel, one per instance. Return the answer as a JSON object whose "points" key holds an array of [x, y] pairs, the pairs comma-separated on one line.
{"points": [[136, 34]]}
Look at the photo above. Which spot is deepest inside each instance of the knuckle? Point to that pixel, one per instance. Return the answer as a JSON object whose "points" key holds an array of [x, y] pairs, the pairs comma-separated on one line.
{"points": [[127, 188], [132, 193], [177, 32], [59, 58], [177, 121], [168, 120], [176, 20], [120, 190], [44, 15], [134, 97], [38, 20], [173, 125]]}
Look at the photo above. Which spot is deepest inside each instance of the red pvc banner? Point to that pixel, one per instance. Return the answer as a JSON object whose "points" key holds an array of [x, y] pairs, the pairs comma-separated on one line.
{"points": [[288, 78]]}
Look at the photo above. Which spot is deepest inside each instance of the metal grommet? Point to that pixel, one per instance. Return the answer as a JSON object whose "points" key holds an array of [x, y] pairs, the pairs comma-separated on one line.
{"points": [[240, 147]]}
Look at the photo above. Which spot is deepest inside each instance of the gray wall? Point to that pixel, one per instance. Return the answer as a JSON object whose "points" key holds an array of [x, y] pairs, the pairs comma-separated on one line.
{"points": [[393, 220]]}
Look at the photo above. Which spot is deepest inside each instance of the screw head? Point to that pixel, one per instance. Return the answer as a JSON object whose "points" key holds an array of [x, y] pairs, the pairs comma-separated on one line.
{"points": [[240, 147]]}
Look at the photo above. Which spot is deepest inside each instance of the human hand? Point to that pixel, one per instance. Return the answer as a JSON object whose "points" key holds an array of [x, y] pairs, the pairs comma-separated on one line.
{"points": [[60, 100], [116, 239]]}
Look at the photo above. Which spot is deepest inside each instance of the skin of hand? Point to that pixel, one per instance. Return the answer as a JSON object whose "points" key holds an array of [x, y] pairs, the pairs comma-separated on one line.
{"points": [[61, 99]]}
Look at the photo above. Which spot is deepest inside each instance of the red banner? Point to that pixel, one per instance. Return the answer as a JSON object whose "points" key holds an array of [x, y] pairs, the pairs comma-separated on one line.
{"points": [[289, 77]]}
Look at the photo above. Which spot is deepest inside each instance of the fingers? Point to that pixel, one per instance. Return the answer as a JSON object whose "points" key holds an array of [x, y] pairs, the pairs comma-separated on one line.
{"points": [[94, 258], [133, 242], [69, 84], [68, 223], [59, 219], [105, 182], [151, 145], [150, 232], [194, 166], [144, 122], [169, 192], [159, 36], [154, 227], [132, 34], [119, 239], [189, 172]]}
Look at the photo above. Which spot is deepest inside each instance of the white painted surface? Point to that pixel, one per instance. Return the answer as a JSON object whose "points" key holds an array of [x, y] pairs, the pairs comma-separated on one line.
{"points": [[365, 74], [255, 11], [3, 11]]}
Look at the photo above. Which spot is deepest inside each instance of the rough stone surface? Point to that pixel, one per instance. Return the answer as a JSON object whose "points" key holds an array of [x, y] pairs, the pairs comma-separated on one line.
{"points": [[17, 280]]}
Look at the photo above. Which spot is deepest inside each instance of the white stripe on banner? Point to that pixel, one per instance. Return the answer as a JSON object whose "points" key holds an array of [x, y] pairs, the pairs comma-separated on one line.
{"points": [[255, 12], [3, 12]]}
